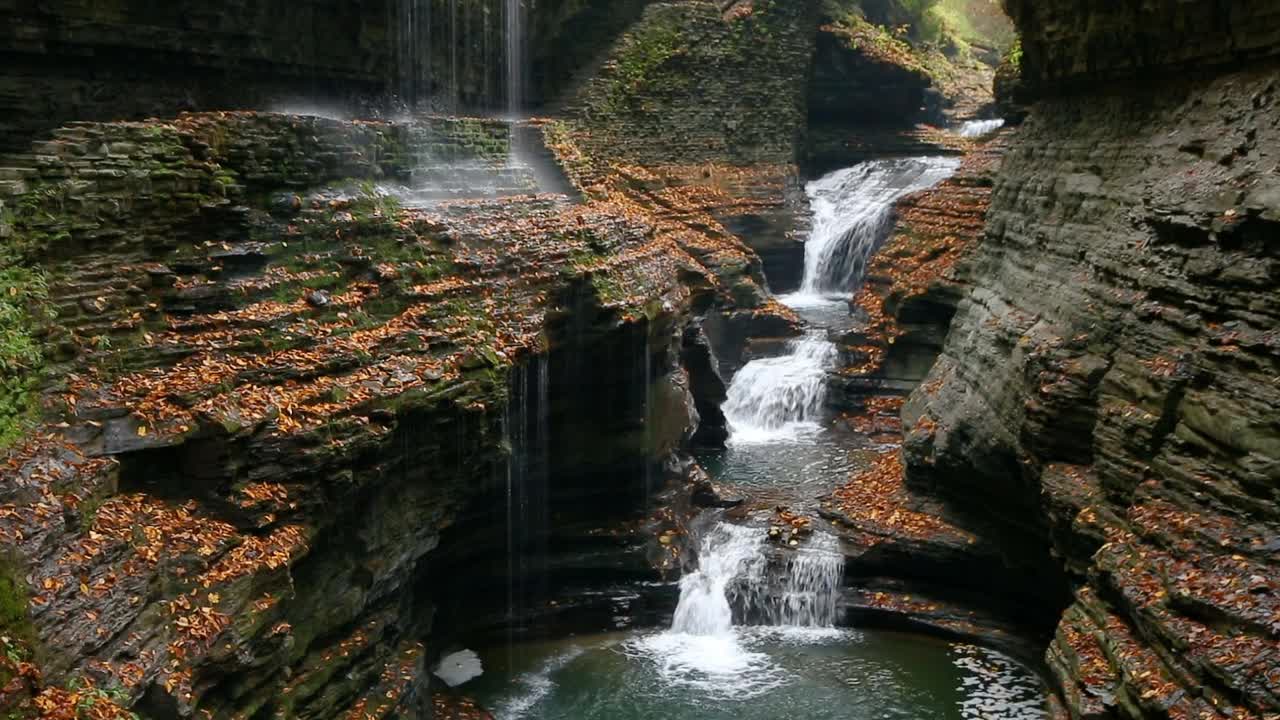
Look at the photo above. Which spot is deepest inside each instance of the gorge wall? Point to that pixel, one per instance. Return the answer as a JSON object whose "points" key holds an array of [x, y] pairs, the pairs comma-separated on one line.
{"points": [[269, 396], [272, 416], [85, 61], [63, 60], [1109, 382], [672, 90]]}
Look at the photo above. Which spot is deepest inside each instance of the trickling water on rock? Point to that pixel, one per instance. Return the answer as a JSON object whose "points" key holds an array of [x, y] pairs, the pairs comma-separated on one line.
{"points": [[853, 214], [800, 588]]}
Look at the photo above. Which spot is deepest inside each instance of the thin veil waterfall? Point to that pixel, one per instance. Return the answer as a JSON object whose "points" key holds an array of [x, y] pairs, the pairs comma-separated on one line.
{"points": [[516, 58], [412, 22], [526, 429]]}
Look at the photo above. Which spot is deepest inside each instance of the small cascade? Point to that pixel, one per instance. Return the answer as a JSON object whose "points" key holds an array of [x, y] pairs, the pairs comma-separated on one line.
{"points": [[802, 590], [727, 554], [739, 577], [853, 214], [979, 128], [781, 398]]}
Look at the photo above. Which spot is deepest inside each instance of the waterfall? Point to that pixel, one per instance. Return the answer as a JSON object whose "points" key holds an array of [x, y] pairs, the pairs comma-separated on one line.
{"points": [[781, 398], [526, 430], [515, 56], [801, 591], [727, 553], [455, 85], [412, 23], [853, 214], [738, 576], [470, 73], [978, 128]]}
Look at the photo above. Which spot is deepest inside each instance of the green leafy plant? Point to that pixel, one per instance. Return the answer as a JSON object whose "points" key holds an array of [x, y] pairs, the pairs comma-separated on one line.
{"points": [[1014, 55]]}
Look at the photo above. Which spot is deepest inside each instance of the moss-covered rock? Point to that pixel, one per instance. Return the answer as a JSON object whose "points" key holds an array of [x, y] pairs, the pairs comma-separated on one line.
{"points": [[671, 88]]}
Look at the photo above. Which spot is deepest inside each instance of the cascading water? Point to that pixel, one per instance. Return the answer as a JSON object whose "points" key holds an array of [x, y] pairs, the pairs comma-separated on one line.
{"points": [[978, 128], [781, 398], [739, 577], [853, 214], [800, 590], [728, 553], [753, 636], [741, 591]]}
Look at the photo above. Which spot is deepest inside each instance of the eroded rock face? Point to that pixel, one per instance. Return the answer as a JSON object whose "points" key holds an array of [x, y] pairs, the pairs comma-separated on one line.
{"points": [[671, 89], [309, 56], [1082, 43], [239, 496], [1109, 384]]}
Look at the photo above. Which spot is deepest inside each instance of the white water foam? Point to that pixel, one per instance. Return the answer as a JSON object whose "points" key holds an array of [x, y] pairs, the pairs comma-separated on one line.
{"points": [[534, 686], [853, 214], [978, 128], [781, 398], [794, 593]]}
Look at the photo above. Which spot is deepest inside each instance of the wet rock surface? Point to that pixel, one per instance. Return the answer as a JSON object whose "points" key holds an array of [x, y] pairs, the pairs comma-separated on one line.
{"points": [[270, 415], [1108, 384]]}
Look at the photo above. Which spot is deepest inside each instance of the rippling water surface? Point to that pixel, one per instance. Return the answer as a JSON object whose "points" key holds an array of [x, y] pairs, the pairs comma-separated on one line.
{"points": [[758, 673]]}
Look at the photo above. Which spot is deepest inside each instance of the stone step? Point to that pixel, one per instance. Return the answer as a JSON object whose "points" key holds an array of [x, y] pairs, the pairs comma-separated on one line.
{"points": [[18, 173], [20, 161]]}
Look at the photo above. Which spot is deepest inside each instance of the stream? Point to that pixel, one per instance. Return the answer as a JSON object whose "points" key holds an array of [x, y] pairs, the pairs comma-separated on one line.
{"points": [[754, 637], [755, 633]]}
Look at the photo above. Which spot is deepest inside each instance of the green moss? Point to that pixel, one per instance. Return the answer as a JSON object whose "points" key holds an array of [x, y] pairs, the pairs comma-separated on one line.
{"points": [[14, 623], [608, 289], [23, 305], [647, 50]]}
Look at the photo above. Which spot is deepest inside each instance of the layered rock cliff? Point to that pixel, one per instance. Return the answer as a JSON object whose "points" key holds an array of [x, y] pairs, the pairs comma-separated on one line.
{"points": [[271, 394], [64, 60], [1109, 384]]}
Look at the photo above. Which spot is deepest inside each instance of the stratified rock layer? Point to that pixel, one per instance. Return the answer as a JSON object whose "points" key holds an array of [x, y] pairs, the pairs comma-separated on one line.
{"points": [[1109, 384], [272, 398], [1068, 42], [673, 89]]}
